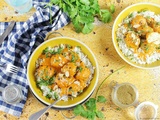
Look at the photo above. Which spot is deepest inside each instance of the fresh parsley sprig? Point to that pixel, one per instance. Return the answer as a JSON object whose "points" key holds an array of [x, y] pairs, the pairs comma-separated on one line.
{"points": [[82, 13], [89, 110]]}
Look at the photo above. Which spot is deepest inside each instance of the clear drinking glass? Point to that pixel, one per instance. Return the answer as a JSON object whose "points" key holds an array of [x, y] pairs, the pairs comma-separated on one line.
{"points": [[21, 6]]}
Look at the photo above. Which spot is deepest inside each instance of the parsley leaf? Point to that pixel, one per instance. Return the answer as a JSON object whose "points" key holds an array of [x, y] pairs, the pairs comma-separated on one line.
{"points": [[84, 114], [82, 13], [48, 96], [78, 109], [91, 104], [101, 99], [112, 8], [50, 81], [91, 115], [87, 28], [99, 114], [89, 110], [86, 2], [105, 16]]}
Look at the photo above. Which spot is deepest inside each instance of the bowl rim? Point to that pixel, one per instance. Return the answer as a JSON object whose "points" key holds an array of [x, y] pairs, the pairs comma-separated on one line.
{"points": [[114, 24], [96, 79]]}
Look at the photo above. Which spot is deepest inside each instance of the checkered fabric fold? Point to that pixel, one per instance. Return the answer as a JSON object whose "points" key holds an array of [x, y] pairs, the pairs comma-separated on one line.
{"points": [[19, 45]]}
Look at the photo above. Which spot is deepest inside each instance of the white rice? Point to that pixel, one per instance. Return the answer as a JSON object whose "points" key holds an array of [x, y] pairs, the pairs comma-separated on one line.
{"points": [[128, 52]]}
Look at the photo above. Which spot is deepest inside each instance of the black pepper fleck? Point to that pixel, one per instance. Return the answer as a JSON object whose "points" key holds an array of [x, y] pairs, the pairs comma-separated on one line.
{"points": [[102, 109], [111, 71], [106, 65], [5, 18], [107, 49], [118, 1], [16, 12], [47, 113], [5, 115]]}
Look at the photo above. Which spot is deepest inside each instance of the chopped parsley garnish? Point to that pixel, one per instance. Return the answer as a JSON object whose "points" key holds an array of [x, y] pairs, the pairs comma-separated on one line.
{"points": [[55, 95], [59, 51], [79, 69], [73, 58], [119, 39], [48, 52], [45, 82], [48, 96], [130, 15], [69, 47]]}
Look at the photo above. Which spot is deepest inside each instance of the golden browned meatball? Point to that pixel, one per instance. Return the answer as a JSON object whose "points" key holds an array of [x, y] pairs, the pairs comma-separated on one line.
{"points": [[138, 21], [83, 74], [62, 81], [58, 60], [69, 69], [45, 72], [132, 40], [74, 88], [44, 60]]}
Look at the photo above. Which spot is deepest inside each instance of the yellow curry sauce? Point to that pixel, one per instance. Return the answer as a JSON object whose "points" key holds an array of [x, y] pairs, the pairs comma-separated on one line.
{"points": [[62, 71]]}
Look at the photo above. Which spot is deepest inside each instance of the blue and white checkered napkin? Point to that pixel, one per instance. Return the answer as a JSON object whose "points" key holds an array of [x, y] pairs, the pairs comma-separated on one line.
{"points": [[18, 46]]}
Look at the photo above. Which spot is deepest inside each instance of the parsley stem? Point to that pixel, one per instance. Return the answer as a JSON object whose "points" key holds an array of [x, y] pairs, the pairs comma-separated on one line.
{"points": [[106, 79]]}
